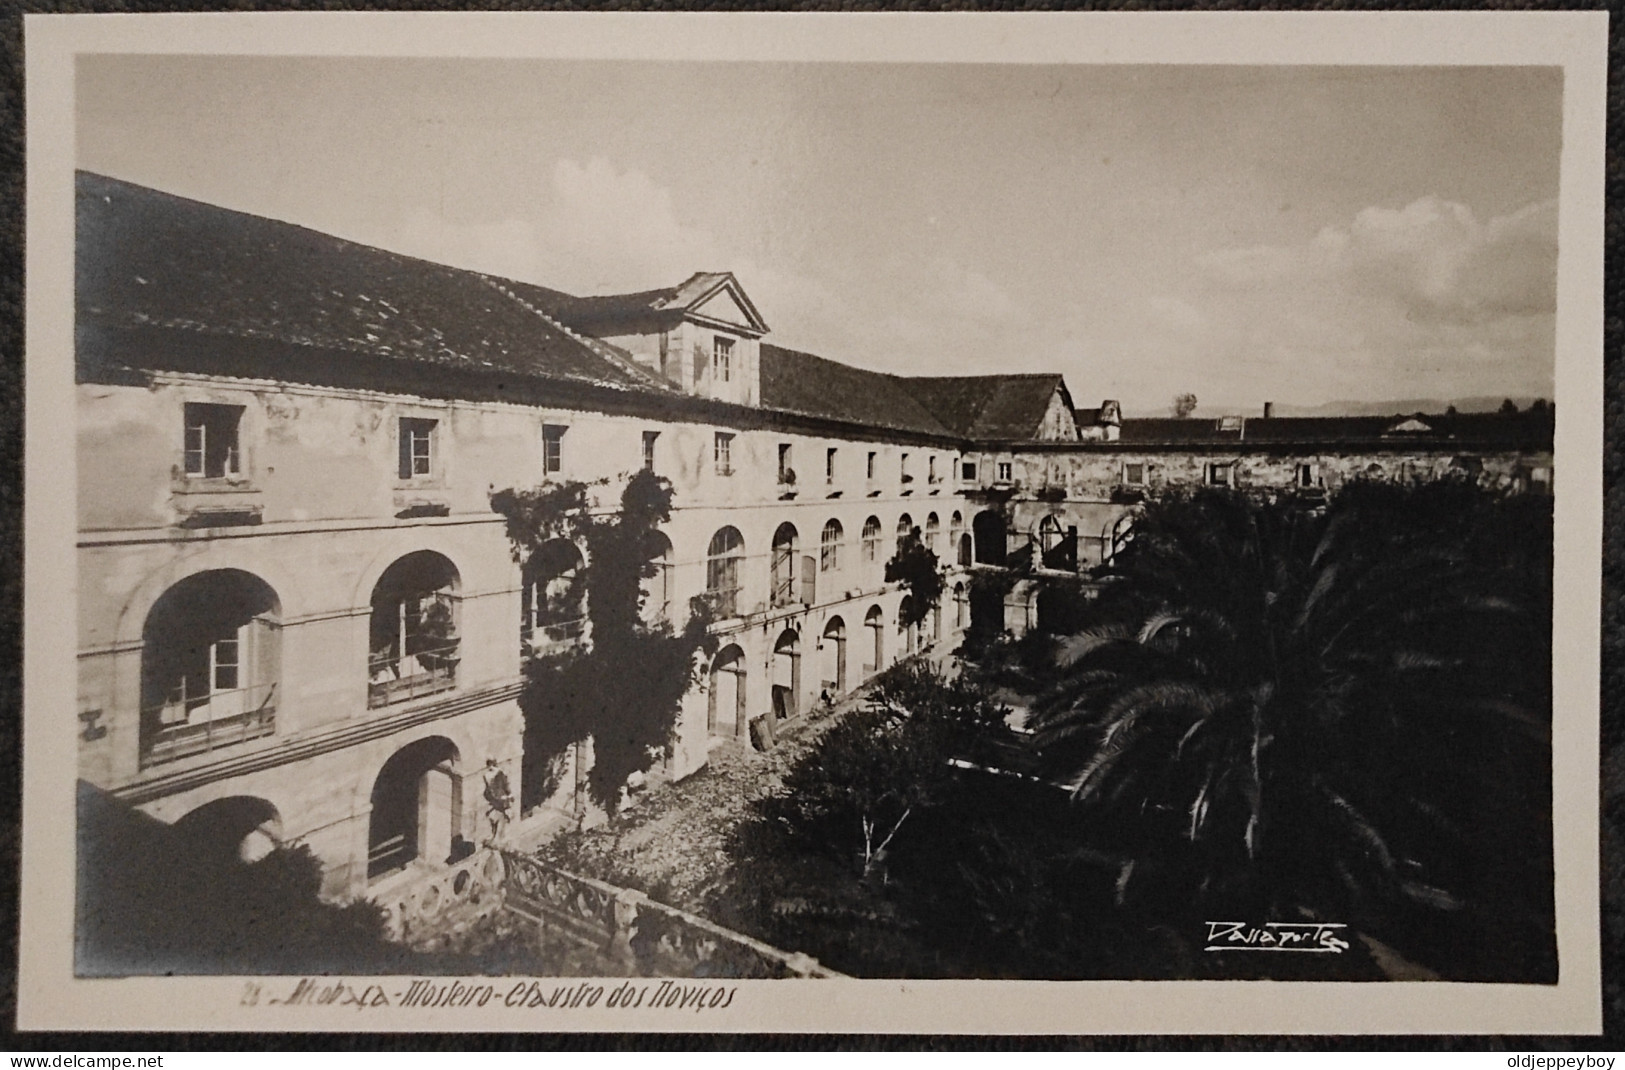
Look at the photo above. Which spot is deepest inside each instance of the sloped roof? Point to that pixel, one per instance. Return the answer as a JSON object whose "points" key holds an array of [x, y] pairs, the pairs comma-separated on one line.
{"points": [[816, 386], [1532, 428], [645, 310], [151, 259], [988, 407]]}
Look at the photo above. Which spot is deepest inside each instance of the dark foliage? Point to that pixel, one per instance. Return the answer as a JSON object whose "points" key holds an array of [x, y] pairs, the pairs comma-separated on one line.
{"points": [[915, 566], [624, 690], [1340, 714]]}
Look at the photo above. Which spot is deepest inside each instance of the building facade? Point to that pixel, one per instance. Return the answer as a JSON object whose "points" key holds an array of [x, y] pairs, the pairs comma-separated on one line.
{"points": [[301, 621]]}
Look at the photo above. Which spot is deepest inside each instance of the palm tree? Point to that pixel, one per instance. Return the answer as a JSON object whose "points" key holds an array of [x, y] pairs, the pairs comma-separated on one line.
{"points": [[1288, 713]]}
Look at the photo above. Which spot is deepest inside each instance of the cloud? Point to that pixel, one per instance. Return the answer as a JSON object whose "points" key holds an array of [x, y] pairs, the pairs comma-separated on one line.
{"points": [[1433, 258]]}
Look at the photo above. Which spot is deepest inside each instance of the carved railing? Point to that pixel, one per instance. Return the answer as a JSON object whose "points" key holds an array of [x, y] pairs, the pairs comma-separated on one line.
{"points": [[651, 937], [467, 888]]}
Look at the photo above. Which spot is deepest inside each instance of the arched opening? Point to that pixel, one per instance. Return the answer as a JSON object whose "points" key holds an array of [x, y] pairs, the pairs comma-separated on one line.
{"points": [[908, 634], [986, 609], [416, 808], [956, 531], [1058, 548], [1120, 535], [782, 568], [832, 666], [905, 527], [240, 828], [936, 621], [960, 608], [554, 601], [871, 547], [725, 713], [829, 547], [412, 647], [787, 675], [210, 662], [875, 621], [722, 559], [966, 554], [932, 527], [988, 528], [657, 587]]}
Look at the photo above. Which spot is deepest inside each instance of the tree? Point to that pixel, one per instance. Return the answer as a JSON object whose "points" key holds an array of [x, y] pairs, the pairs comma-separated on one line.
{"points": [[878, 766], [1341, 716], [1184, 405], [915, 567], [1508, 408], [625, 689]]}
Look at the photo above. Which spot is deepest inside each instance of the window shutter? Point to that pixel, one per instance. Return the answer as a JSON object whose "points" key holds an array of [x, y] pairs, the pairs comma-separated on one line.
{"points": [[702, 361], [809, 580], [404, 437]]}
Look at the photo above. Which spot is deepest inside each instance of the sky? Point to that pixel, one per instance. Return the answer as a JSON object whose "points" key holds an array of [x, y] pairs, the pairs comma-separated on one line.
{"points": [[1299, 235]]}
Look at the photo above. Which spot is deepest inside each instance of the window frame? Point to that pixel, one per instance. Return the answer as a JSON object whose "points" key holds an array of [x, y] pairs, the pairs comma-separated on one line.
{"points": [[722, 453], [413, 430], [722, 358], [553, 448], [650, 439], [225, 421]]}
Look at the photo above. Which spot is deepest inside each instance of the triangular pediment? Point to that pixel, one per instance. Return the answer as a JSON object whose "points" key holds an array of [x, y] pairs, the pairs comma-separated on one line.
{"points": [[1409, 426], [724, 307], [716, 298]]}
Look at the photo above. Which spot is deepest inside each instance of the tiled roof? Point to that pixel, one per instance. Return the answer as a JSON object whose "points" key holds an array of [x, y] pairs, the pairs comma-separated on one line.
{"points": [[646, 310], [151, 259], [814, 386], [987, 407], [1533, 428]]}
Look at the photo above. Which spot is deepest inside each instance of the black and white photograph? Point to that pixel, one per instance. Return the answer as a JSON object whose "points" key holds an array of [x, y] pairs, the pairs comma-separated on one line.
{"points": [[692, 521]]}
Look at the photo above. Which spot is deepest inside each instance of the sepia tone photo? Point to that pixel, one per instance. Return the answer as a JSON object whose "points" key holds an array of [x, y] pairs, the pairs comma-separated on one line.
{"points": [[706, 522]]}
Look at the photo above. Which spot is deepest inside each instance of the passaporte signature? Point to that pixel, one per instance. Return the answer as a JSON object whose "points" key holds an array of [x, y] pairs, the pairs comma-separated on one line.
{"points": [[1318, 937]]}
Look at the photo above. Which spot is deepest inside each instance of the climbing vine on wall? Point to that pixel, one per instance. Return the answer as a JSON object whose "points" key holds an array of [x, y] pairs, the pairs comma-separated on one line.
{"points": [[624, 688]]}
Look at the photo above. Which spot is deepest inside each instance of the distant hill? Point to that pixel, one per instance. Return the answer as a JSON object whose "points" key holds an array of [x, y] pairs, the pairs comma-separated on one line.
{"points": [[1351, 408]]}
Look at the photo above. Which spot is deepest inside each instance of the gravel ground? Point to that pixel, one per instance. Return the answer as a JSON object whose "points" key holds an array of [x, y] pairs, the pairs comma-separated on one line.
{"points": [[670, 844]]}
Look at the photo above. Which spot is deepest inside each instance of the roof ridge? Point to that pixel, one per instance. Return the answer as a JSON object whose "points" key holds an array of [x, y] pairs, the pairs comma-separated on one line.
{"points": [[599, 348]]}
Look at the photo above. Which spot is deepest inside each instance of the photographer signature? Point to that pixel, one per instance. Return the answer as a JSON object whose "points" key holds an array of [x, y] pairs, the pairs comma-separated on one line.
{"points": [[1319, 937]]}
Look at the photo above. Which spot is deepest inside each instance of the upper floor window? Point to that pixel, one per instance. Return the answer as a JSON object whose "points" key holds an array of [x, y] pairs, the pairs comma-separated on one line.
{"points": [[829, 465], [902, 469], [1308, 475], [871, 540], [869, 472], [649, 438], [722, 453], [553, 448], [931, 469], [722, 358], [417, 447], [967, 471], [829, 547], [211, 440], [1134, 474], [1004, 471], [1220, 474], [786, 473]]}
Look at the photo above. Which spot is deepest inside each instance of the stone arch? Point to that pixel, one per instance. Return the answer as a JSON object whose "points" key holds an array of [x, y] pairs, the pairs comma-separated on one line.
{"points": [[875, 621], [553, 595], [932, 527], [832, 666], [829, 546], [210, 665], [412, 643], [723, 558], [727, 701], [786, 681], [873, 558], [417, 808], [208, 557], [243, 828], [657, 588], [991, 540], [1119, 533], [782, 564]]}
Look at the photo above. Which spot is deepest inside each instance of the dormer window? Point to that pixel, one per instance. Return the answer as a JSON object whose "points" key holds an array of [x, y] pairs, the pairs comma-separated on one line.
{"points": [[1005, 472], [211, 446], [722, 358]]}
